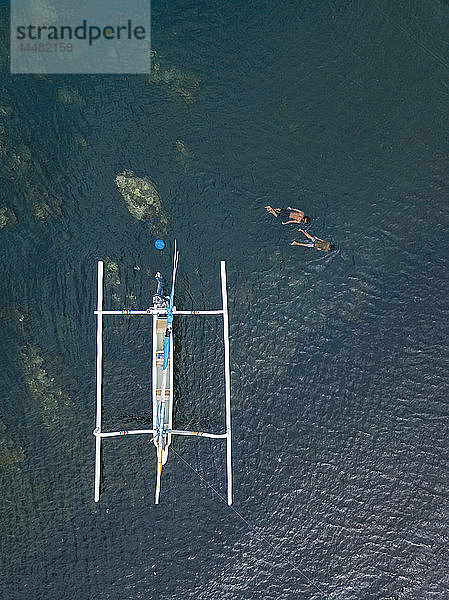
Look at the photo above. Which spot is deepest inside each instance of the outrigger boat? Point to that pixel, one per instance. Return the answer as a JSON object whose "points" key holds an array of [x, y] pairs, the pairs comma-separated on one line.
{"points": [[162, 312]]}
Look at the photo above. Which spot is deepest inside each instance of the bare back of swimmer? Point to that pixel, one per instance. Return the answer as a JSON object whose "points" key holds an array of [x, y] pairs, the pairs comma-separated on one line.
{"points": [[293, 215]]}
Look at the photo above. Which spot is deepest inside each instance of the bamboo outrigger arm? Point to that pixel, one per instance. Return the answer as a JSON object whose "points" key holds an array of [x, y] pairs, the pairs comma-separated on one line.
{"points": [[162, 430], [104, 434]]}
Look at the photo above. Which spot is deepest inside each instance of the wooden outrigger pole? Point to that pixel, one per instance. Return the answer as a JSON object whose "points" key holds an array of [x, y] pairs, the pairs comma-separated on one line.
{"points": [[99, 378], [162, 379]]}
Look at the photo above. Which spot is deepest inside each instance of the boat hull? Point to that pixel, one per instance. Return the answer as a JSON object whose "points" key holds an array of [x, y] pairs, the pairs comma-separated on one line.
{"points": [[159, 328]]}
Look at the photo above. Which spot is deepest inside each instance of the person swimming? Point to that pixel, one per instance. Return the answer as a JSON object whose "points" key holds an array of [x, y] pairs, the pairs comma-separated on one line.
{"points": [[294, 215], [315, 242]]}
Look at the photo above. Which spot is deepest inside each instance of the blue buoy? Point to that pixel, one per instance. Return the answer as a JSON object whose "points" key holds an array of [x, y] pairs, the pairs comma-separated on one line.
{"points": [[160, 244]]}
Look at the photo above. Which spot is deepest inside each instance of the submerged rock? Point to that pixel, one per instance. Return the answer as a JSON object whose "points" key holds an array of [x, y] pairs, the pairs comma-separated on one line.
{"points": [[18, 318], [5, 110], [183, 153], [183, 149], [44, 210], [45, 207], [10, 453], [79, 140], [180, 84], [43, 388], [111, 272], [8, 219], [69, 95], [142, 199], [2, 140], [287, 117], [16, 159], [26, 176]]}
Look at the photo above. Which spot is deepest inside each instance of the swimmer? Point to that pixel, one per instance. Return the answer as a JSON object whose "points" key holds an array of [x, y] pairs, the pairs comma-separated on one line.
{"points": [[315, 242], [294, 215]]}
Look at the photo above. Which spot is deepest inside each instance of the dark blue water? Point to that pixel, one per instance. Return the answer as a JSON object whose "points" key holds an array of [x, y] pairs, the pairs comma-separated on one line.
{"points": [[339, 362]]}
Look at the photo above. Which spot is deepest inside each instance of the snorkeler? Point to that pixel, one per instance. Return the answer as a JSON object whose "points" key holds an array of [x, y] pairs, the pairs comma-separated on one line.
{"points": [[315, 242], [294, 215]]}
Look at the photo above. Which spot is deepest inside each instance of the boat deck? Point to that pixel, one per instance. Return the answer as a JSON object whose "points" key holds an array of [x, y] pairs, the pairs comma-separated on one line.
{"points": [[159, 328]]}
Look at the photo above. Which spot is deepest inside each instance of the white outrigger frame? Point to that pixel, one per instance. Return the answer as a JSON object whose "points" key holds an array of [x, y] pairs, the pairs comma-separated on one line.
{"points": [[162, 431]]}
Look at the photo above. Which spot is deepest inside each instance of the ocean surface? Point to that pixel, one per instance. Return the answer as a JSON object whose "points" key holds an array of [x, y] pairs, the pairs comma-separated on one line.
{"points": [[339, 361]]}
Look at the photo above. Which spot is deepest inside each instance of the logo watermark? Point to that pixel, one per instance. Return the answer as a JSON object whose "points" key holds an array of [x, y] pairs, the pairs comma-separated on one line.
{"points": [[58, 36]]}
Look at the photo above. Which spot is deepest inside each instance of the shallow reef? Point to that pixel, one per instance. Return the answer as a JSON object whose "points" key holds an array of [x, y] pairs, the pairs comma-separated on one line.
{"points": [[70, 96], [15, 159], [10, 453], [47, 207], [180, 84], [183, 153], [27, 176], [142, 199], [50, 398], [80, 141], [8, 219], [5, 110], [287, 119], [18, 318], [111, 272]]}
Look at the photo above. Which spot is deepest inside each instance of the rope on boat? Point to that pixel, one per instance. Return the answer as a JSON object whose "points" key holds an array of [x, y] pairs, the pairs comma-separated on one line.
{"points": [[241, 517], [253, 529]]}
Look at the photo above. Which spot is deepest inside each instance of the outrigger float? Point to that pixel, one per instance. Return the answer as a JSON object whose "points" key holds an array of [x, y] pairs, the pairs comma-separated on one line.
{"points": [[162, 311]]}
